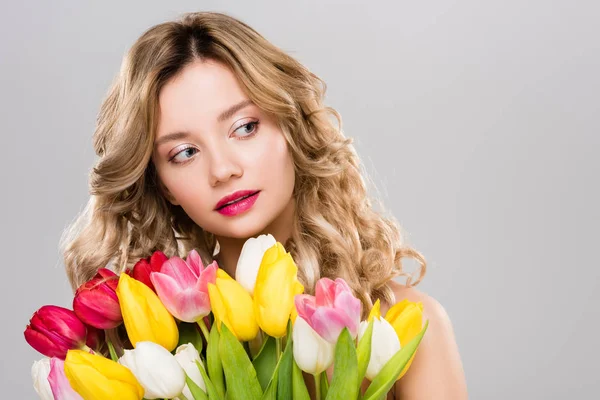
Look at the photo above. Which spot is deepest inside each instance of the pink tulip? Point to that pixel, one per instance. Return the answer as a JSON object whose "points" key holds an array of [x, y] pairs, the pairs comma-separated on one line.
{"points": [[182, 286], [145, 266], [96, 302], [332, 308], [53, 330], [61, 388]]}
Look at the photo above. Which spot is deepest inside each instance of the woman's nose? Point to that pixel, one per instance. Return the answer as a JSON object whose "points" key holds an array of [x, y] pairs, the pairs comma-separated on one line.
{"points": [[223, 166]]}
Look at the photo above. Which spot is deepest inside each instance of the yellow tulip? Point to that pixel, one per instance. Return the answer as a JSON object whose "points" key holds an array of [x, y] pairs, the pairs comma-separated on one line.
{"points": [[406, 317], [232, 305], [144, 315], [98, 378], [276, 285]]}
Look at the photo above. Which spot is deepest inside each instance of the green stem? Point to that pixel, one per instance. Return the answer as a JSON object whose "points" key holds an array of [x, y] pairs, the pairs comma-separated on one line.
{"points": [[111, 349], [317, 386], [278, 347], [203, 328]]}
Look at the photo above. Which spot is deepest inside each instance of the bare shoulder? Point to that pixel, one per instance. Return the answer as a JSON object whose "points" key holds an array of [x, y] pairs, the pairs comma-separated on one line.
{"points": [[436, 371]]}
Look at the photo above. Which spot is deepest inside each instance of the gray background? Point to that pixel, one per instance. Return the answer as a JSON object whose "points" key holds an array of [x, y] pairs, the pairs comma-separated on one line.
{"points": [[478, 122]]}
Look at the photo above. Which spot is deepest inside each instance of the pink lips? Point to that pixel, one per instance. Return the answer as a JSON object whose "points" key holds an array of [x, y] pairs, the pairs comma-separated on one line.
{"points": [[239, 206]]}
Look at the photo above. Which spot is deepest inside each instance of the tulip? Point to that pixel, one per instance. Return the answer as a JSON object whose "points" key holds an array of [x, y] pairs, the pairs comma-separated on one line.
{"points": [[250, 258], [276, 285], [187, 356], [312, 353], [97, 378], [406, 317], [232, 306], [39, 373], [96, 302], [145, 266], [144, 315], [61, 388], [332, 308], [53, 330], [182, 286], [156, 369], [384, 341]]}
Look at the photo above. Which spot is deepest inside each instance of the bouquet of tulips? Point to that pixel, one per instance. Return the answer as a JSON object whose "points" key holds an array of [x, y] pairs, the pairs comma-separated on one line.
{"points": [[197, 333]]}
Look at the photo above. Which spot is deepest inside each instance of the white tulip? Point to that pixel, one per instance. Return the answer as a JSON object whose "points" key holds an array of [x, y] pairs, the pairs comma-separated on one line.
{"points": [[187, 355], [312, 353], [39, 372], [156, 369], [384, 344], [250, 258]]}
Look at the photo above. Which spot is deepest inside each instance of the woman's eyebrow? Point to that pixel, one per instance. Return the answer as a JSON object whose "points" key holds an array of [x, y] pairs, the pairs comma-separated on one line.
{"points": [[222, 117]]}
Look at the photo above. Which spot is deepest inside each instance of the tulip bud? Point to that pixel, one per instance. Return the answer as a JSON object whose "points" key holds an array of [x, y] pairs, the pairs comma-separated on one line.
{"points": [[61, 388], [233, 306], [276, 285], [145, 266], [53, 330], [384, 342], [312, 353], [250, 258], [156, 369], [144, 315], [187, 355], [39, 373], [332, 308], [406, 317], [96, 302], [97, 378], [182, 286]]}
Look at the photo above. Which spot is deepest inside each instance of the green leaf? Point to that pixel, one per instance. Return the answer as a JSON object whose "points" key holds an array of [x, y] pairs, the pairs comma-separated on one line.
{"points": [[299, 390], [386, 378], [363, 353], [197, 392], [284, 380], [345, 371], [212, 392], [213, 361], [188, 333], [265, 362], [271, 391], [240, 375]]}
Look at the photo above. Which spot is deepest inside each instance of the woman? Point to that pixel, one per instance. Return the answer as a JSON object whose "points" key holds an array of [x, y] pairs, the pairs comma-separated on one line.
{"points": [[206, 112]]}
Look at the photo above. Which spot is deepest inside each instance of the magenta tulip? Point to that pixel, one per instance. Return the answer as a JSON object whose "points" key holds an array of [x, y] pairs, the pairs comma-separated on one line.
{"points": [[96, 302], [61, 388], [182, 286], [145, 266], [53, 330], [332, 308]]}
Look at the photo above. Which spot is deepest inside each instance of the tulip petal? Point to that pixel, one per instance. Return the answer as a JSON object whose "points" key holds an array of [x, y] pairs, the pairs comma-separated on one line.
{"points": [[305, 305], [329, 322], [312, 353], [179, 270], [325, 291], [195, 262], [208, 275]]}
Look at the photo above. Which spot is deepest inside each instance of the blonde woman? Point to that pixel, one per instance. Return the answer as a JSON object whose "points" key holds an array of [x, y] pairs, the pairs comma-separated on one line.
{"points": [[205, 112]]}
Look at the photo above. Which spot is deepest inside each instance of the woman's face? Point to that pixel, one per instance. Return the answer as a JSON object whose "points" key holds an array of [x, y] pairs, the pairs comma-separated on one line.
{"points": [[224, 144]]}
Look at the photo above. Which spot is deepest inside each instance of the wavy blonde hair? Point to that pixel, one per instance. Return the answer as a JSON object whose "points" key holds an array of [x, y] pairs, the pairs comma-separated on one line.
{"points": [[336, 232]]}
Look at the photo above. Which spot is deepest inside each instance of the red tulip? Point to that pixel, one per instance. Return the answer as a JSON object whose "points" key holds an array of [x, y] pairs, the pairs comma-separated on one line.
{"points": [[145, 266], [53, 330], [96, 302], [95, 338]]}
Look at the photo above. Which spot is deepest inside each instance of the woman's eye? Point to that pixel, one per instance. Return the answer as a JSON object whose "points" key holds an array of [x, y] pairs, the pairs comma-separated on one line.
{"points": [[248, 129], [182, 159]]}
